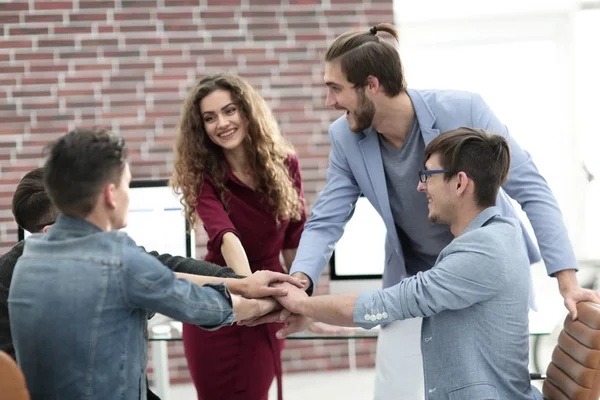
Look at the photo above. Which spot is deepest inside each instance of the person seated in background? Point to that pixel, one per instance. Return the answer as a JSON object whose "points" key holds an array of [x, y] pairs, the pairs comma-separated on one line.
{"points": [[474, 301], [81, 293], [34, 212]]}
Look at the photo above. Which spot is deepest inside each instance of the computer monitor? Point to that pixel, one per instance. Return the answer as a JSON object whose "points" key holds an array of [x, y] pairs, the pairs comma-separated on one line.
{"points": [[155, 220], [358, 259]]}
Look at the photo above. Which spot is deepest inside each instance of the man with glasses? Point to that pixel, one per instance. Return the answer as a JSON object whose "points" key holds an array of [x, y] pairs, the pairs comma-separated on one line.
{"points": [[474, 301]]}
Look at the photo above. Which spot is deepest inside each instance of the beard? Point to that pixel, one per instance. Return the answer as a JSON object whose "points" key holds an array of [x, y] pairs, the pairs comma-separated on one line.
{"points": [[364, 113]]}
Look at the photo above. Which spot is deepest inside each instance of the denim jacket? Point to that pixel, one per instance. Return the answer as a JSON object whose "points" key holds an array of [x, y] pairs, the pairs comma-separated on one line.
{"points": [[79, 302]]}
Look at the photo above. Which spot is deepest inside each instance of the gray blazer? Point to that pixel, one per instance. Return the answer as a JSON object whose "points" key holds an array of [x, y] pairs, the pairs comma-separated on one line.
{"points": [[474, 304], [355, 166]]}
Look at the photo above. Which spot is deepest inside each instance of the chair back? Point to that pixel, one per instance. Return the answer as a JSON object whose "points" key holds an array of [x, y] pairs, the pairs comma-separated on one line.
{"points": [[12, 381], [574, 373]]}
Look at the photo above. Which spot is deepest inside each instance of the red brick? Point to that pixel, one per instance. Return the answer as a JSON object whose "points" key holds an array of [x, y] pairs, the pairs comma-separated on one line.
{"points": [[68, 30], [168, 89], [169, 27], [259, 14], [40, 105], [269, 38], [127, 103], [297, 2], [130, 78], [55, 117], [136, 41], [174, 15], [130, 16], [99, 42], [14, 118], [230, 26], [9, 19], [165, 52], [15, 44], [204, 15], [50, 67], [77, 54], [121, 53], [56, 43], [181, 3], [33, 56], [139, 4], [44, 18], [235, 3], [15, 6], [31, 93], [74, 92], [16, 31], [53, 5], [93, 67], [190, 39], [136, 65], [138, 28], [104, 4], [12, 69], [106, 29], [87, 17], [39, 81]]}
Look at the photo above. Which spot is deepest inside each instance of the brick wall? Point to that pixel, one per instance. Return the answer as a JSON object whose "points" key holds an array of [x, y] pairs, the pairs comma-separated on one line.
{"points": [[126, 65]]}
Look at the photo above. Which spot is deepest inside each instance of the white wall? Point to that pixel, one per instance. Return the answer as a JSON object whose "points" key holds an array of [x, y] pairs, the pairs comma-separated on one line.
{"points": [[535, 64]]}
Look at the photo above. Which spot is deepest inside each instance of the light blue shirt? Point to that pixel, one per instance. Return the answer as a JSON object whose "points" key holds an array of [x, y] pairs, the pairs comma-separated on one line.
{"points": [[474, 304], [355, 167]]}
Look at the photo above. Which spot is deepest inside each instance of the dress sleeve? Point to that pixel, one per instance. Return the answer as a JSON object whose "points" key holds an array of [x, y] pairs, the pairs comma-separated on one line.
{"points": [[212, 213], [295, 228]]}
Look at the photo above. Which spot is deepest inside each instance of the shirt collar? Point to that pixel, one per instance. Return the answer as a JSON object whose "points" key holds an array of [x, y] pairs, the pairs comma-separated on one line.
{"points": [[481, 218]]}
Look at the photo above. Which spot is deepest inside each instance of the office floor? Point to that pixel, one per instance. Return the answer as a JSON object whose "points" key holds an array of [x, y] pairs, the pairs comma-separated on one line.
{"points": [[331, 385]]}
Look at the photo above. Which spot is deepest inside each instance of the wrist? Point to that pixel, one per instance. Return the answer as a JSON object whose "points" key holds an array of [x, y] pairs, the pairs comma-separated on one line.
{"points": [[567, 280], [237, 286], [302, 276]]}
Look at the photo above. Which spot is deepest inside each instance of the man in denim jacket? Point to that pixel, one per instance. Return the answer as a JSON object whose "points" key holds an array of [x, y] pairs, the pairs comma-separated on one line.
{"points": [[81, 293]]}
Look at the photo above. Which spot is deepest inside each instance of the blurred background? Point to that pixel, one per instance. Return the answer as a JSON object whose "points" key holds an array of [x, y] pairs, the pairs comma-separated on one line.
{"points": [[127, 64]]}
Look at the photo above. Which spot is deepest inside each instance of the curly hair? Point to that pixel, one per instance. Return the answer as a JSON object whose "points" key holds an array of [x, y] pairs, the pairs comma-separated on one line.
{"points": [[268, 152]]}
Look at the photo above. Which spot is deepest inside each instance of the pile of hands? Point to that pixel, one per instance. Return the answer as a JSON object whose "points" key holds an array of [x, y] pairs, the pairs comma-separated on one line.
{"points": [[267, 296]]}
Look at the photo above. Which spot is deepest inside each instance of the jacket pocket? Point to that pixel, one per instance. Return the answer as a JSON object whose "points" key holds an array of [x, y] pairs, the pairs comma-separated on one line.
{"points": [[476, 391]]}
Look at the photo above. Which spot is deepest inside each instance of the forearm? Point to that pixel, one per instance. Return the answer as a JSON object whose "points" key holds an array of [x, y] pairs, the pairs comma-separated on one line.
{"points": [[193, 266], [288, 258], [236, 286], [234, 254], [567, 280], [331, 309]]}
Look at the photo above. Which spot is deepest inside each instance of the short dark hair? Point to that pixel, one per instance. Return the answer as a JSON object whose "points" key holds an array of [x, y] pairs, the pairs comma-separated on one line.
{"points": [[363, 53], [483, 156], [79, 164], [31, 204]]}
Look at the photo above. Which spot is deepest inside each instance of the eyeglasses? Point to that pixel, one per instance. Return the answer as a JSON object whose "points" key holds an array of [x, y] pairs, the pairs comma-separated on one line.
{"points": [[425, 173]]}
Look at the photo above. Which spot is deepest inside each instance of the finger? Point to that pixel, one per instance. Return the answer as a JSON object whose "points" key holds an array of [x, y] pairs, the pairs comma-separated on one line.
{"points": [[273, 291], [572, 307], [271, 317], [283, 315], [294, 281], [284, 332]]}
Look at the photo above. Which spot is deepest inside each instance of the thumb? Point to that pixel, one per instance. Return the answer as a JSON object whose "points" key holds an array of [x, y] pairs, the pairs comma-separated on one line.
{"points": [[284, 332], [572, 307]]}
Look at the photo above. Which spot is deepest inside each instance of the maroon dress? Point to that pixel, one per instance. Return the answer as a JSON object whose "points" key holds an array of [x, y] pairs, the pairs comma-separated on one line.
{"points": [[239, 362]]}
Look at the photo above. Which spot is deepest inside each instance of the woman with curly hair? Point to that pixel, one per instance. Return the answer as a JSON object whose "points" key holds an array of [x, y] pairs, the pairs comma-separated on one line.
{"points": [[241, 179]]}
